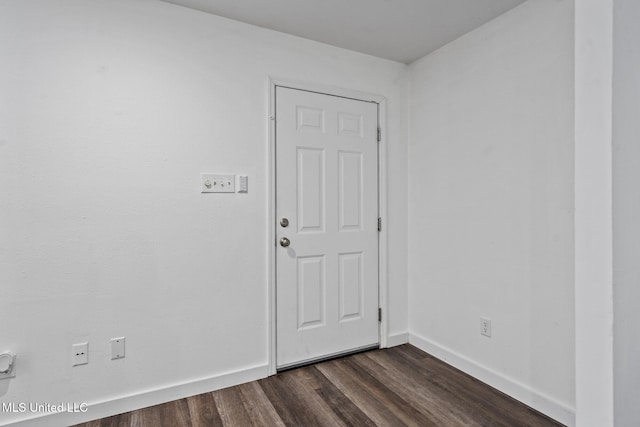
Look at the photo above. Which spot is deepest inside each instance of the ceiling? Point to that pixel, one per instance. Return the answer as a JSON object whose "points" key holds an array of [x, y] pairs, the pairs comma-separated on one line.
{"points": [[400, 30]]}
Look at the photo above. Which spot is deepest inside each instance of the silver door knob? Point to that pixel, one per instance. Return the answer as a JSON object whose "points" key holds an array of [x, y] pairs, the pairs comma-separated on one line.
{"points": [[284, 222], [284, 242]]}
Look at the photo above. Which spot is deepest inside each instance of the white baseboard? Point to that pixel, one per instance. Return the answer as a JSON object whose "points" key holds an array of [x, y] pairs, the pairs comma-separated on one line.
{"points": [[397, 339], [525, 394], [144, 399]]}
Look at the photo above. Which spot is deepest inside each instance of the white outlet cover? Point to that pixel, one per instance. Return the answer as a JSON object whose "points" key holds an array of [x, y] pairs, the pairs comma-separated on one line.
{"points": [[117, 348], [80, 354], [485, 327], [7, 363]]}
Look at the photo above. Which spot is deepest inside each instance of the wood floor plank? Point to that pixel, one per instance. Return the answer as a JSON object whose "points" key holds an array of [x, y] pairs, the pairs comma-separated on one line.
{"points": [[470, 395], [303, 383], [413, 352], [415, 392], [291, 407], [230, 407], [146, 417], [260, 410], [175, 414], [94, 423], [342, 406], [203, 411], [470, 398], [122, 420], [372, 397]]}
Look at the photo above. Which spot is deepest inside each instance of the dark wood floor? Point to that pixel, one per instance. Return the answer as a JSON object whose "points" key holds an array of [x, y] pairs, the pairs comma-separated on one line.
{"points": [[392, 387]]}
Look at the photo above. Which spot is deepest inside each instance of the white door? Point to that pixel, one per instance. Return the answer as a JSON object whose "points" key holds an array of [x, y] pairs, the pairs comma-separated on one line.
{"points": [[327, 225]]}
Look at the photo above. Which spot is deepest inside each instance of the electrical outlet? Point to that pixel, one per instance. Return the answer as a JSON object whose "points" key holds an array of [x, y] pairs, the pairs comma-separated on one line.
{"points": [[7, 365], [485, 327], [80, 354]]}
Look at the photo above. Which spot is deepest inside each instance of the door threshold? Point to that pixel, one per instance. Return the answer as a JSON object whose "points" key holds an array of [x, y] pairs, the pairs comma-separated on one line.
{"points": [[325, 358]]}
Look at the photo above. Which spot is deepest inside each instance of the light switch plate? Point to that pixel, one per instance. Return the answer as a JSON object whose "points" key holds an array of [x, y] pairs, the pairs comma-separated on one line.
{"points": [[243, 184], [214, 183]]}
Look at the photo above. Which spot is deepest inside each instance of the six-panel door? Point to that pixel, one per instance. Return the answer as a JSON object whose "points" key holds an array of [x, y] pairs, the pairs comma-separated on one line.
{"points": [[327, 190]]}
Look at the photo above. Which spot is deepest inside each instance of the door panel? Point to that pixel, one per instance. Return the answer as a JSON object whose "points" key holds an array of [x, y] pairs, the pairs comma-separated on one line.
{"points": [[311, 292], [327, 188], [310, 189], [351, 282], [350, 191]]}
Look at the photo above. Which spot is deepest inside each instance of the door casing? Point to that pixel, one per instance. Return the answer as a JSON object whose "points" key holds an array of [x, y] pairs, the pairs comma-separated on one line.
{"points": [[382, 203]]}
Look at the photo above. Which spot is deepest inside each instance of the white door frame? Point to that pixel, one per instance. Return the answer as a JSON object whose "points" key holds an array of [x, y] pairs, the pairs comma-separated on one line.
{"points": [[271, 202]]}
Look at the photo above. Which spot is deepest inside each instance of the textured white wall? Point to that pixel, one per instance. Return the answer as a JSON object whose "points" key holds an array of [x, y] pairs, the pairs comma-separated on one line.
{"points": [[626, 211], [109, 111], [491, 204]]}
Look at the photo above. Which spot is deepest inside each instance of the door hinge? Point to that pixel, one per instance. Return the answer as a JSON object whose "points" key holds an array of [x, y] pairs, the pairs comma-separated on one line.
{"points": [[379, 224], [379, 134], [379, 314]]}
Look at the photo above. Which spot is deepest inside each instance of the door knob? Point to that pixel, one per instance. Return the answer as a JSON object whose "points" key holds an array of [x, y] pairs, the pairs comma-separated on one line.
{"points": [[284, 222], [284, 242]]}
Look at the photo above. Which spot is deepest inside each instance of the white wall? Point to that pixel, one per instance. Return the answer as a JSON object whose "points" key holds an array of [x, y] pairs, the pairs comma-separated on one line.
{"points": [[626, 211], [593, 238], [491, 204], [109, 111]]}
